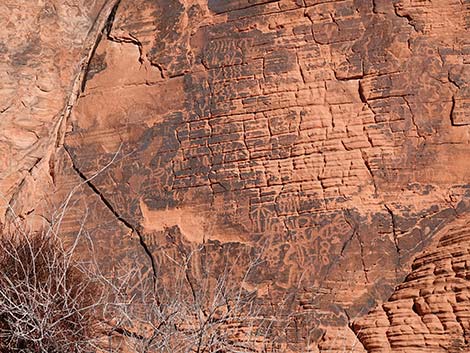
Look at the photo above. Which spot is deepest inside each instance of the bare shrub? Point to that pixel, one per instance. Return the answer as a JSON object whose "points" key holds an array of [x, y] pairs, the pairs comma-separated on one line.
{"points": [[48, 303], [184, 324], [192, 307], [195, 303]]}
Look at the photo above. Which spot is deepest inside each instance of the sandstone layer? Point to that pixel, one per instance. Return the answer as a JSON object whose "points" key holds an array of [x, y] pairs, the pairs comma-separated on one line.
{"points": [[330, 138]]}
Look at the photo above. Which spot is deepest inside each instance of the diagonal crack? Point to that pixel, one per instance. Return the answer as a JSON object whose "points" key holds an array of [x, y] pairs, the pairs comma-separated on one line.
{"points": [[115, 212], [102, 26], [93, 39], [356, 234], [105, 30], [413, 121], [395, 236]]}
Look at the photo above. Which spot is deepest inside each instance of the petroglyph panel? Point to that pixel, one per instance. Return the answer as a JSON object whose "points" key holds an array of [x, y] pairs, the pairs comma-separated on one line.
{"points": [[328, 140]]}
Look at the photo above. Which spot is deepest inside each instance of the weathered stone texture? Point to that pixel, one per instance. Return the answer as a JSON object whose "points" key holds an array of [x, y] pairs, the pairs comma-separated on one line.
{"points": [[428, 312], [43, 47], [332, 134]]}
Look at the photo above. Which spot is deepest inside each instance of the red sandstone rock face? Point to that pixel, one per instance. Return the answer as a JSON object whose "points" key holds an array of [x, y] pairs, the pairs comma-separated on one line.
{"points": [[42, 47], [428, 312], [333, 135]]}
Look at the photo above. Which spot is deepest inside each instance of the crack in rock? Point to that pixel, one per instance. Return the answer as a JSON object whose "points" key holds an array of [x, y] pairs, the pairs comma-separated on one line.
{"points": [[114, 211]]}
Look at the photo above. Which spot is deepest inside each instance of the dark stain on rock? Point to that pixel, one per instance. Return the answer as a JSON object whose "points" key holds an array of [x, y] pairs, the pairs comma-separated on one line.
{"points": [[27, 54], [222, 6], [97, 64], [169, 51]]}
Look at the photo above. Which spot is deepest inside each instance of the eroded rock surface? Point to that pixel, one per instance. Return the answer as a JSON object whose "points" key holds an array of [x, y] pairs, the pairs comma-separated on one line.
{"points": [[333, 135], [43, 46]]}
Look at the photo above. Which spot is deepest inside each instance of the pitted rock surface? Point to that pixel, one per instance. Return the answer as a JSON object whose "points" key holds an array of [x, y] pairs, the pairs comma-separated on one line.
{"points": [[332, 135]]}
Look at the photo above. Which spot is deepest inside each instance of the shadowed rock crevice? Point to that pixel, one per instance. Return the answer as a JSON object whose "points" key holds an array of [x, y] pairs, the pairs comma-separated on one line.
{"points": [[103, 31]]}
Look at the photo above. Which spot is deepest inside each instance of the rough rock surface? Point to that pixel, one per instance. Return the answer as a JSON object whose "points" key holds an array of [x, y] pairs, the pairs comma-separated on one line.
{"points": [[333, 135], [43, 46]]}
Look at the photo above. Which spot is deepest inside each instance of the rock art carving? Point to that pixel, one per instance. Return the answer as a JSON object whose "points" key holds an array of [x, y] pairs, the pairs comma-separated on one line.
{"points": [[330, 137]]}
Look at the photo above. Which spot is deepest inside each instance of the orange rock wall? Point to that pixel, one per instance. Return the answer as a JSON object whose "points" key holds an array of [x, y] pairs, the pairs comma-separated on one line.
{"points": [[332, 135]]}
